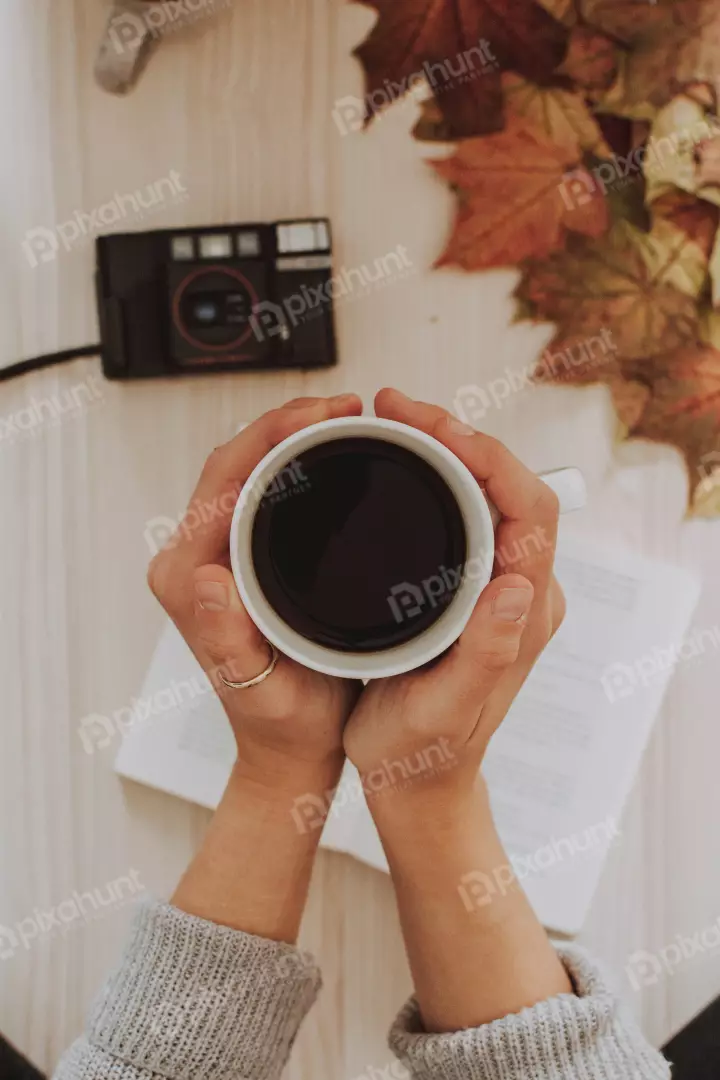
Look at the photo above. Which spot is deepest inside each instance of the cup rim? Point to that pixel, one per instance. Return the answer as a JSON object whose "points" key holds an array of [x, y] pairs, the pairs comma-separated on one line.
{"points": [[431, 642]]}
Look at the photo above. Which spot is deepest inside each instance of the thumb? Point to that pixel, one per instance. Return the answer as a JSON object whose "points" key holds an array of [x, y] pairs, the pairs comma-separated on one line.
{"points": [[490, 643], [225, 632]]}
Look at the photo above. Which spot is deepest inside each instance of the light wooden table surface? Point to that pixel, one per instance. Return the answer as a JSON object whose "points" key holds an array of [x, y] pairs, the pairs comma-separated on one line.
{"points": [[240, 106]]}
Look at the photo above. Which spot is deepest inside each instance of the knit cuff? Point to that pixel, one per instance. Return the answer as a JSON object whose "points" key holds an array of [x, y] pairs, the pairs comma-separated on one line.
{"points": [[581, 1036], [191, 999]]}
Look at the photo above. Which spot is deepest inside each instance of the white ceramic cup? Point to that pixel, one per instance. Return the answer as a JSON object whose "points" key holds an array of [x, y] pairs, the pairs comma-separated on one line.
{"points": [[478, 515]]}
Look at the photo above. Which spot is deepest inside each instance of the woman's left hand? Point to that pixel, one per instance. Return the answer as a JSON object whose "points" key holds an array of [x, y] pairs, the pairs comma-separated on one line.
{"points": [[445, 714]]}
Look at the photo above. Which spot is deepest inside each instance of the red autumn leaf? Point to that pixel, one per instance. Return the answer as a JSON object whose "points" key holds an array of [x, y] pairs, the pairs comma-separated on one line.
{"points": [[461, 47], [683, 406], [511, 204]]}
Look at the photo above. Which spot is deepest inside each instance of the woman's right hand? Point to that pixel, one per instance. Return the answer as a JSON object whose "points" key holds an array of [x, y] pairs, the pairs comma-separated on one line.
{"points": [[289, 727]]}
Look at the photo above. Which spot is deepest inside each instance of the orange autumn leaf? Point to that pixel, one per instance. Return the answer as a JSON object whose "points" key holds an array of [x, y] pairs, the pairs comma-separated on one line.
{"points": [[510, 198], [460, 47]]}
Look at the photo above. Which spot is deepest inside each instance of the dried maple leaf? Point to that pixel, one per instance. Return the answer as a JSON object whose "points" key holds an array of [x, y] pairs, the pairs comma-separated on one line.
{"points": [[558, 113], [697, 219], [640, 288], [670, 44], [441, 40], [562, 10], [629, 398], [511, 207], [591, 60], [683, 409], [683, 151]]}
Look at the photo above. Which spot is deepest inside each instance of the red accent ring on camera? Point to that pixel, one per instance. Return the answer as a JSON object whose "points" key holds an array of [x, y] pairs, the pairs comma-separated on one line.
{"points": [[182, 329]]}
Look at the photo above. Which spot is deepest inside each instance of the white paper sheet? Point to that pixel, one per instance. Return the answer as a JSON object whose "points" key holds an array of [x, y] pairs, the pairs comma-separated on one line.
{"points": [[560, 767]]}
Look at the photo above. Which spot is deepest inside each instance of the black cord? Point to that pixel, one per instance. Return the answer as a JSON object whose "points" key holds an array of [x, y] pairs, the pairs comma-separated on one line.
{"points": [[47, 360]]}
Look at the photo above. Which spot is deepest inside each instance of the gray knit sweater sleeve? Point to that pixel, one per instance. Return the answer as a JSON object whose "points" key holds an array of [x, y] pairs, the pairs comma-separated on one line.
{"points": [[195, 1001], [191, 1000], [583, 1036]]}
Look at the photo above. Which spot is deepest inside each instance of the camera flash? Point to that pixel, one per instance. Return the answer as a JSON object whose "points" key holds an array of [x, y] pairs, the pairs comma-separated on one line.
{"points": [[183, 247], [216, 246], [248, 243], [322, 235], [299, 236]]}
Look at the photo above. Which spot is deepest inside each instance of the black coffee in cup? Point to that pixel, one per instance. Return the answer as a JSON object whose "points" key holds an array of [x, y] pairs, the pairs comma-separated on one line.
{"points": [[359, 544]]}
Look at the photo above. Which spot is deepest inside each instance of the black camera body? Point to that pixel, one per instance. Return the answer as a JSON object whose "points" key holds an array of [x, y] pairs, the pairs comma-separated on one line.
{"points": [[220, 298]]}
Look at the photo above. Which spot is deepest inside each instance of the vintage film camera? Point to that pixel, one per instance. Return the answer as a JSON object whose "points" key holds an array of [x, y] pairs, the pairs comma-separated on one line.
{"points": [[220, 298]]}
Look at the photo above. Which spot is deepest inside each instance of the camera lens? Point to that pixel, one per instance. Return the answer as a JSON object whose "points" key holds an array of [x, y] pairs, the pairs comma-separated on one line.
{"points": [[212, 308], [205, 312]]}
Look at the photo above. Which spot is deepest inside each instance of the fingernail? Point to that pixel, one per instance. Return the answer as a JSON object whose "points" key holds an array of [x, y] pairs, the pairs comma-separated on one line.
{"points": [[301, 403], [341, 399], [512, 604], [458, 428], [211, 595]]}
